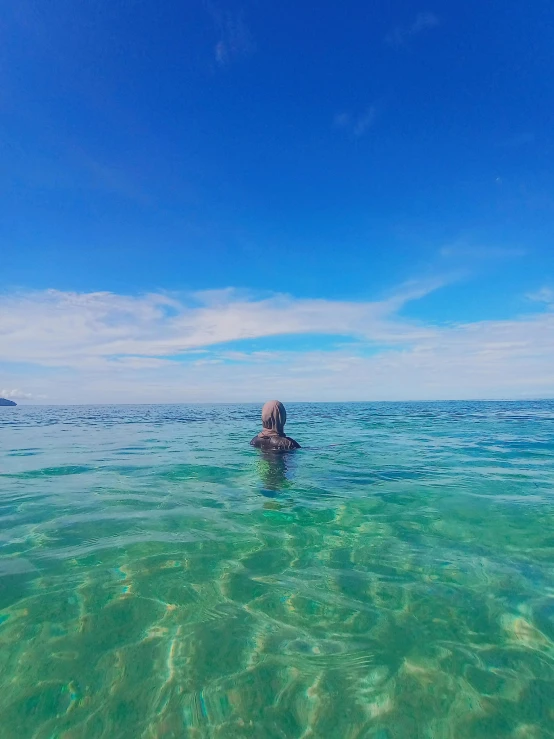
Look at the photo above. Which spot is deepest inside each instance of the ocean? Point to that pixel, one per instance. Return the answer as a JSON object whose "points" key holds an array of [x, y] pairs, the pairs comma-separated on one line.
{"points": [[159, 578]]}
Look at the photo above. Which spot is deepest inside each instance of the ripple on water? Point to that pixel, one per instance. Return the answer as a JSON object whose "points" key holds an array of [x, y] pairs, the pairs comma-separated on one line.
{"points": [[159, 579]]}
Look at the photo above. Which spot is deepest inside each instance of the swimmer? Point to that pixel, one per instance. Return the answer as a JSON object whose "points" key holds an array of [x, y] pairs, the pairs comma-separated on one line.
{"points": [[272, 438]]}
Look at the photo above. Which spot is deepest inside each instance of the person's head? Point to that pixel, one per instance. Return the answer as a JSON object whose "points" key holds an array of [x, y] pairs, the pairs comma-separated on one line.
{"points": [[274, 417]]}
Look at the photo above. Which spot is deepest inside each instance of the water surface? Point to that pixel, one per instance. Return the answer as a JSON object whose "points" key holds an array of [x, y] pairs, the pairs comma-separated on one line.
{"points": [[160, 578]]}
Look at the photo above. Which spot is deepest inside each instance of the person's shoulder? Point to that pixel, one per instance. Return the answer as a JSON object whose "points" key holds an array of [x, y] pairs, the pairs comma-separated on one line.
{"points": [[275, 443], [286, 444]]}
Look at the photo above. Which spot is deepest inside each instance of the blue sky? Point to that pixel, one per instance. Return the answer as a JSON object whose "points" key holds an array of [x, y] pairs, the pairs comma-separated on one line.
{"points": [[228, 200]]}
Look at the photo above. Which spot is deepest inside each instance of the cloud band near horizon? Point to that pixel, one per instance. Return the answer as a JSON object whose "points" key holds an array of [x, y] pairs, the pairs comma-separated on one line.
{"points": [[65, 347]]}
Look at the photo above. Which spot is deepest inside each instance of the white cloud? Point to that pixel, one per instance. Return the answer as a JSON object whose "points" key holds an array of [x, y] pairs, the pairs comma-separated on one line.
{"points": [[102, 347], [56, 328], [15, 395], [423, 22]]}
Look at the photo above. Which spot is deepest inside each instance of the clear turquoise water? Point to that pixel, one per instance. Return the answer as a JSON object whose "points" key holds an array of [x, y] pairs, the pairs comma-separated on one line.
{"points": [[159, 578]]}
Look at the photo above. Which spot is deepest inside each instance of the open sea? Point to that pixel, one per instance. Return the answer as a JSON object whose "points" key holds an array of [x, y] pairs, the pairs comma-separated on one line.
{"points": [[159, 578]]}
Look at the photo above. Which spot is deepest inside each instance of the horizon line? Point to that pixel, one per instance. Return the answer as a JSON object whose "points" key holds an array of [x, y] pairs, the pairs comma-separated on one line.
{"points": [[289, 402]]}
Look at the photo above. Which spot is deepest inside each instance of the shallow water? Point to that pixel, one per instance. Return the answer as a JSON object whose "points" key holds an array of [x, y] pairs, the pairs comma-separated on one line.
{"points": [[160, 578]]}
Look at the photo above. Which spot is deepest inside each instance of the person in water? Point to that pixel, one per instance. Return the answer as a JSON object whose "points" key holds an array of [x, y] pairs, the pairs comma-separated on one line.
{"points": [[272, 438]]}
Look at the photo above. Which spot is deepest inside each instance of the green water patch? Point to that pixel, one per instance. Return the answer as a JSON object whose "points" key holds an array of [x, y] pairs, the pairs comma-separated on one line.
{"points": [[203, 473], [399, 586]]}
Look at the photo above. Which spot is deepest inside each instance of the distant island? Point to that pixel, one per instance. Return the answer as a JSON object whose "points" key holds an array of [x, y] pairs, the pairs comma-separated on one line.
{"points": [[5, 401]]}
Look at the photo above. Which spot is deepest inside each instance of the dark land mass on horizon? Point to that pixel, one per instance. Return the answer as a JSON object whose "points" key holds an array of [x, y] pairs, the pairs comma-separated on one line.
{"points": [[5, 401]]}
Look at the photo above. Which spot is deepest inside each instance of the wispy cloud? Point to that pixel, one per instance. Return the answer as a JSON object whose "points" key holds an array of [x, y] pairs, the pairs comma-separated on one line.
{"points": [[516, 141], [103, 347], [15, 394], [423, 22], [60, 328], [476, 252], [544, 295], [234, 37], [356, 124]]}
